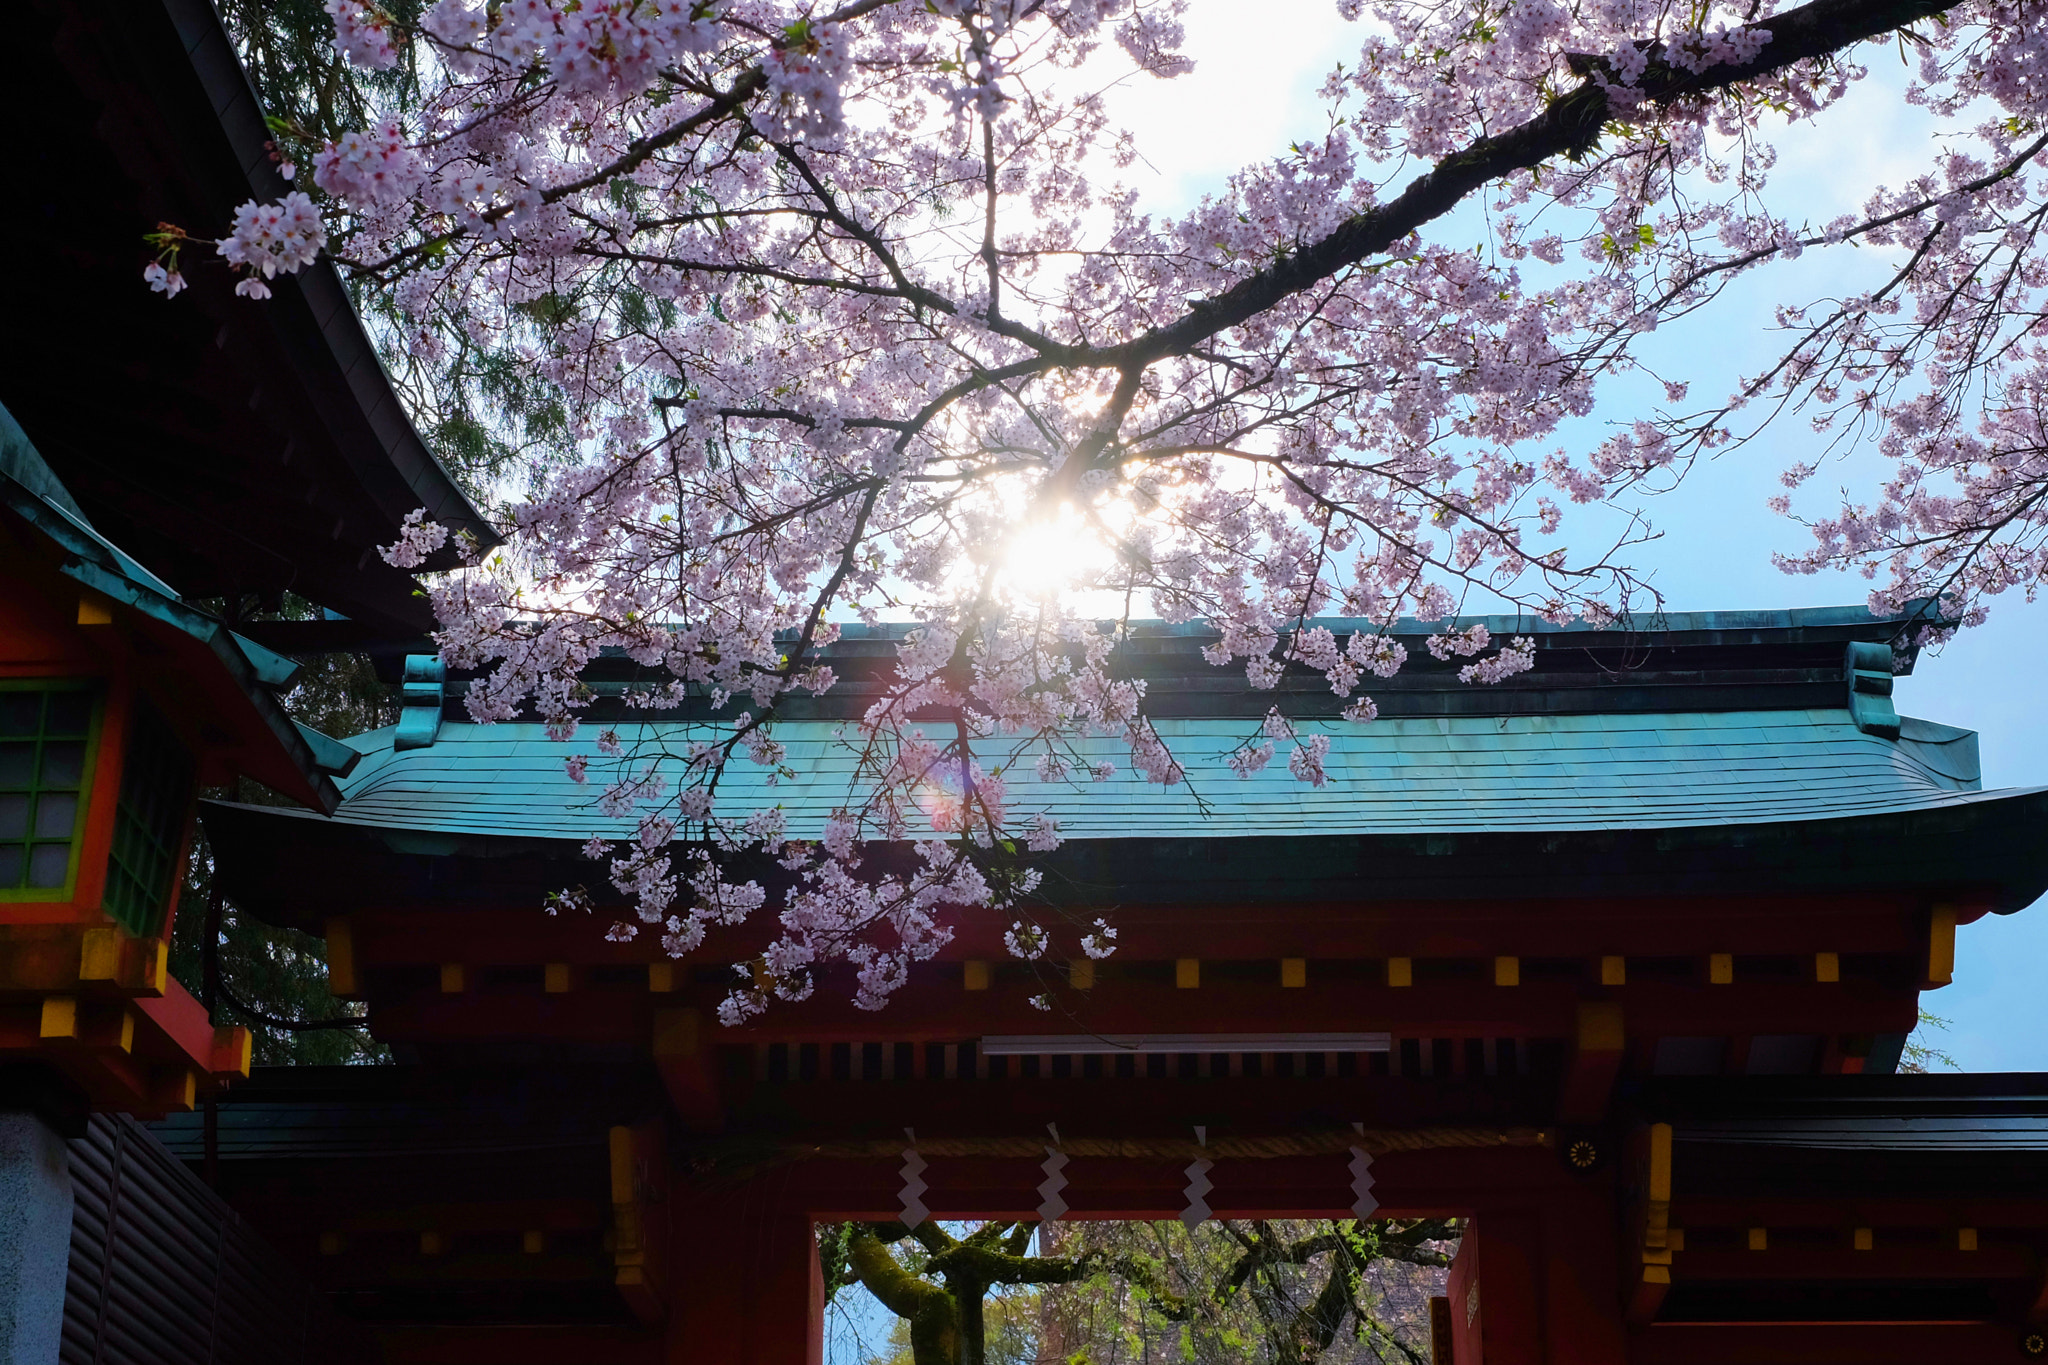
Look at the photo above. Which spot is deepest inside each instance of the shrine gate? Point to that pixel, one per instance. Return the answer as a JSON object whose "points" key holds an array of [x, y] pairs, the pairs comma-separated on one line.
{"points": [[1615, 959]]}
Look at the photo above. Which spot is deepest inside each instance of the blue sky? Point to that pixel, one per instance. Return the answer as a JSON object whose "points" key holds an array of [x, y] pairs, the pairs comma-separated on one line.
{"points": [[1253, 90]]}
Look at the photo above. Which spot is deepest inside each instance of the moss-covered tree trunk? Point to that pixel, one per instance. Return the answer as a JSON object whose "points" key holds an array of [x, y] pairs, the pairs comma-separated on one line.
{"points": [[945, 1305], [931, 1311]]}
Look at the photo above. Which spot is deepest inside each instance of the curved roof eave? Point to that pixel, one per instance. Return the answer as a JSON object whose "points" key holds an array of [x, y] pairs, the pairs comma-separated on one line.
{"points": [[245, 447], [337, 334], [1982, 848]]}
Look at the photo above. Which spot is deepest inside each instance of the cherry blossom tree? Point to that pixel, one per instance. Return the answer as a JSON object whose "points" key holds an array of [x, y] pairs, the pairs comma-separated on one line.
{"points": [[843, 307]]}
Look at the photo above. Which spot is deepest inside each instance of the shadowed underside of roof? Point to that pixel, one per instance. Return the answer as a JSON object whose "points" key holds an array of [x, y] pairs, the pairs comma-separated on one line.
{"points": [[1963, 1112], [1980, 1135]]}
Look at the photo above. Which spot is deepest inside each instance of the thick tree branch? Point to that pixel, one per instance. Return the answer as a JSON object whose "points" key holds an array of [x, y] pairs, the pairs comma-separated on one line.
{"points": [[1571, 126], [895, 1288]]}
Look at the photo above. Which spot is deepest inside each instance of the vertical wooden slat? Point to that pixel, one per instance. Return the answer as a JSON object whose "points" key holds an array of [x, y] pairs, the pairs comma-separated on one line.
{"points": [[162, 1272]]}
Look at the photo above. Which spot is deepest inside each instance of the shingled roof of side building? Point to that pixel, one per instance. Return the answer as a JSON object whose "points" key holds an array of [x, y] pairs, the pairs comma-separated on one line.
{"points": [[236, 683], [232, 446]]}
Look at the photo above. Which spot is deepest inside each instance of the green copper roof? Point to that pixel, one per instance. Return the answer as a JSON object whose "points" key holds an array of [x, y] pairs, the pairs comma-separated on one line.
{"points": [[1410, 775]]}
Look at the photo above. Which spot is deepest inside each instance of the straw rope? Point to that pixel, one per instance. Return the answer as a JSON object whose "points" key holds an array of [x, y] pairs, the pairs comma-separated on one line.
{"points": [[1221, 1148]]}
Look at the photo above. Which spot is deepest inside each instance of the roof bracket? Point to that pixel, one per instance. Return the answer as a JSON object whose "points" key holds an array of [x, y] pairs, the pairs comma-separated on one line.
{"points": [[1868, 671], [424, 689]]}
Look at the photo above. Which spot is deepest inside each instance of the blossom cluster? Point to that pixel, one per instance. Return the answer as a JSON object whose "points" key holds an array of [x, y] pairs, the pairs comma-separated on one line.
{"points": [[363, 33], [271, 239], [372, 167], [418, 539]]}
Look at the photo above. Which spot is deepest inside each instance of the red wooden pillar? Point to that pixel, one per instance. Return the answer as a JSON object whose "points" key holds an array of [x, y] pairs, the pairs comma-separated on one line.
{"points": [[1496, 1290], [745, 1287], [1461, 1289], [1582, 1306], [1537, 1287]]}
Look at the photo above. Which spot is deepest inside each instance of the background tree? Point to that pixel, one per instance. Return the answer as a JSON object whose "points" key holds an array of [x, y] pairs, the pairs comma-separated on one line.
{"points": [[306, 84], [1285, 1292], [817, 315], [1921, 1053]]}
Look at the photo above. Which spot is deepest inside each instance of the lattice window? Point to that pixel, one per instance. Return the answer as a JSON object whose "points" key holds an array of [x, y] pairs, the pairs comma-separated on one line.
{"points": [[46, 740], [149, 825]]}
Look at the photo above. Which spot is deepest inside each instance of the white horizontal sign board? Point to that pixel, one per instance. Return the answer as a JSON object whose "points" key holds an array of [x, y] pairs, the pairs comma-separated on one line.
{"points": [[1085, 1044]]}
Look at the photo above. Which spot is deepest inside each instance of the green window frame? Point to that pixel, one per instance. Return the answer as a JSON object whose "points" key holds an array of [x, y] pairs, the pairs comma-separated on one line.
{"points": [[149, 824], [49, 741]]}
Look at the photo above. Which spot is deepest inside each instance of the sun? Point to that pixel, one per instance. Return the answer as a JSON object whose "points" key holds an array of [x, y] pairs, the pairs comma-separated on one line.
{"points": [[1053, 554]]}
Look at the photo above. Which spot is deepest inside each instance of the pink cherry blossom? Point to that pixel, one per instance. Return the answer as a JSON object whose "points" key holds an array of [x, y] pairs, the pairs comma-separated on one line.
{"points": [[418, 538], [847, 315]]}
